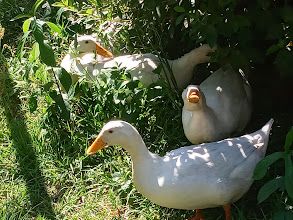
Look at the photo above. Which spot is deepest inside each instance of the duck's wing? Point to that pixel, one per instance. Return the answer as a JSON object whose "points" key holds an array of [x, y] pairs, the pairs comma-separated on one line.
{"points": [[141, 66], [228, 94], [144, 62], [229, 158], [223, 87], [213, 159], [66, 62]]}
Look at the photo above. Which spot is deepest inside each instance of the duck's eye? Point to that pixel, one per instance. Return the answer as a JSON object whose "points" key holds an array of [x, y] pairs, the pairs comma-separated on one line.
{"points": [[86, 41], [110, 131]]}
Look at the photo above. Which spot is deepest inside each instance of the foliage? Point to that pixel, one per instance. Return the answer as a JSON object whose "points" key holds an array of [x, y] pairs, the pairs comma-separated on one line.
{"points": [[239, 28], [8, 10], [281, 183]]}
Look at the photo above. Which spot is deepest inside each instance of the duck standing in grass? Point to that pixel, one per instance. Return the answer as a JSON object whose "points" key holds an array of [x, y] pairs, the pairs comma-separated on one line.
{"points": [[191, 177], [92, 57], [219, 107]]}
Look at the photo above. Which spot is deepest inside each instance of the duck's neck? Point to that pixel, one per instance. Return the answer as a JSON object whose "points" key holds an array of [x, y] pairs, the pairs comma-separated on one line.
{"points": [[183, 67], [137, 148]]}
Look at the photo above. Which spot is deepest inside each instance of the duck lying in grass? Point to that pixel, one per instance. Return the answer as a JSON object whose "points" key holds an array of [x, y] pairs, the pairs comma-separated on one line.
{"points": [[141, 66], [82, 60], [191, 177], [219, 107]]}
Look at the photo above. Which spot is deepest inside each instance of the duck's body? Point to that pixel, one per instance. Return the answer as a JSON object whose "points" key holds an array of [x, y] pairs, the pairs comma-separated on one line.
{"points": [[141, 66], [191, 177], [78, 66], [165, 182], [224, 107]]}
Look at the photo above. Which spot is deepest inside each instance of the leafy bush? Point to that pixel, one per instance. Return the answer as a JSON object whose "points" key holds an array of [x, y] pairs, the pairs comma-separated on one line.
{"points": [[280, 183], [239, 28]]}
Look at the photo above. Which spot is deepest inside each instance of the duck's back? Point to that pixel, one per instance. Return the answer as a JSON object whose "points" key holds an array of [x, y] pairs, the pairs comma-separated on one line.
{"points": [[228, 94], [141, 66]]}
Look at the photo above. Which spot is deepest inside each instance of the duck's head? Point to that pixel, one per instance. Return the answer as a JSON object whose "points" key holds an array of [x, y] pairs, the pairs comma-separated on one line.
{"points": [[114, 133], [192, 97], [89, 44]]}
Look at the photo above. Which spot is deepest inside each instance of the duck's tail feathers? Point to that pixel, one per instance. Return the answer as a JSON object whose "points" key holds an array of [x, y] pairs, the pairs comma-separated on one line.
{"points": [[267, 127], [265, 133]]}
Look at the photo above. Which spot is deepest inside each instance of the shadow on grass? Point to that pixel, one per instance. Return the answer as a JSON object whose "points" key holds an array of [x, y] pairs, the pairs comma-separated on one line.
{"points": [[40, 202]]}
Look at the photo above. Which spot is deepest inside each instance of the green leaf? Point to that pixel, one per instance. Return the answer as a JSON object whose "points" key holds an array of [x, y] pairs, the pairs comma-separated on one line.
{"points": [[59, 4], [268, 188], [73, 90], [211, 35], [179, 19], [283, 215], [26, 25], [60, 104], [65, 79], [59, 14], [289, 140], [38, 30], [21, 16], [70, 2], [33, 103], [262, 167], [21, 44], [275, 47], [36, 6], [47, 54], [48, 85], [179, 9], [54, 27], [289, 175], [66, 6], [35, 53]]}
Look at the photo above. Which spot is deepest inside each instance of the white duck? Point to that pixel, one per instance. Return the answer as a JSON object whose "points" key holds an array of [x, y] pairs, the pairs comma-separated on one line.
{"points": [[191, 177], [141, 66], [82, 61], [220, 106]]}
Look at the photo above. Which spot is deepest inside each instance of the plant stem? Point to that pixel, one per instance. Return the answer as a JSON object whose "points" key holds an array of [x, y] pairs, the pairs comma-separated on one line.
{"points": [[56, 81]]}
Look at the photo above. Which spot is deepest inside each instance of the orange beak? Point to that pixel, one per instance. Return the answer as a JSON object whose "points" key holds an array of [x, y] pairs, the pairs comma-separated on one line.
{"points": [[98, 144], [193, 96], [102, 51]]}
